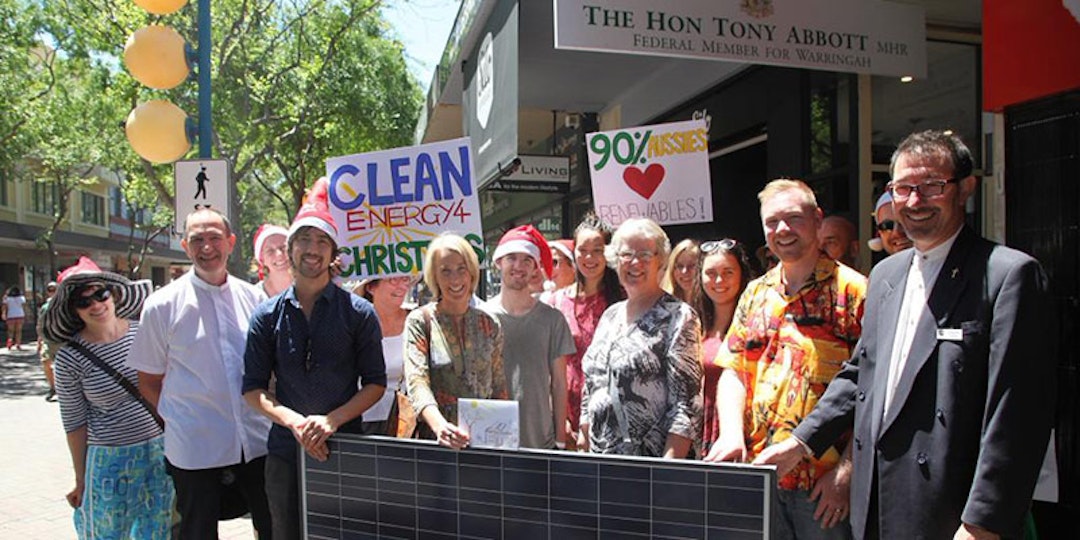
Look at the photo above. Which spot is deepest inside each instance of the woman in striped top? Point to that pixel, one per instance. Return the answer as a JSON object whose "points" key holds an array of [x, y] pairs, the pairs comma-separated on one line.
{"points": [[121, 487]]}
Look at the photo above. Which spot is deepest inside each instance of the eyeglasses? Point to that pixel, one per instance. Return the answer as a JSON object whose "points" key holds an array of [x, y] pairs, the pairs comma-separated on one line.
{"points": [[629, 255], [726, 244], [100, 295], [886, 225], [929, 188]]}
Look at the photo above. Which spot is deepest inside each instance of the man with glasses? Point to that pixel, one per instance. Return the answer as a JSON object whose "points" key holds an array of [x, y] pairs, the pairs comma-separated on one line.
{"points": [[950, 388], [324, 346], [189, 355], [792, 329]]}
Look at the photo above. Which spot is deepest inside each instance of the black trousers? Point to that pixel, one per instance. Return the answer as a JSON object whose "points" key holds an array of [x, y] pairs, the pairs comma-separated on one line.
{"points": [[283, 496], [200, 493]]}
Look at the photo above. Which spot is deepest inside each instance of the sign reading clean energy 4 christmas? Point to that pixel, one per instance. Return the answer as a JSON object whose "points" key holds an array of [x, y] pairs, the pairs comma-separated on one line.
{"points": [[389, 205], [658, 172]]}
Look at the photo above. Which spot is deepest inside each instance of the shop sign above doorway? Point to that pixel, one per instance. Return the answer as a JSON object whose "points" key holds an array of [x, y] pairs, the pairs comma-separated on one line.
{"points": [[536, 174], [854, 36]]}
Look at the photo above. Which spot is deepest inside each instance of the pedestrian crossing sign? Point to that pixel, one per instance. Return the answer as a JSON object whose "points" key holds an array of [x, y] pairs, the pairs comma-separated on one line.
{"points": [[202, 183]]}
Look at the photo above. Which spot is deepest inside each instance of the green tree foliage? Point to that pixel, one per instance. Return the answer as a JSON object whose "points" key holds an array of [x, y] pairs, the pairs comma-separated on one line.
{"points": [[294, 82]]}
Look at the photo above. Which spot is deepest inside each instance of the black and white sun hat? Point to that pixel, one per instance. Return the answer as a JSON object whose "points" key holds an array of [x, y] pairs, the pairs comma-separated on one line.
{"points": [[60, 323]]}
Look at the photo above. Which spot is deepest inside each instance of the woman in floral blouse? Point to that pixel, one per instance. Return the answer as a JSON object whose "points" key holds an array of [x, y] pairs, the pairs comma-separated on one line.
{"points": [[642, 373], [452, 350]]}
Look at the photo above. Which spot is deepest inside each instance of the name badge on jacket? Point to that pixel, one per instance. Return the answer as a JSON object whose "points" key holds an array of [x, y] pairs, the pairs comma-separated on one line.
{"points": [[950, 334]]}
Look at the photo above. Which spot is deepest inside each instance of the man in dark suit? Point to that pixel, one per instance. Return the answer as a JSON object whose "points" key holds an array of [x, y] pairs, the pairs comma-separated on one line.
{"points": [[951, 386]]}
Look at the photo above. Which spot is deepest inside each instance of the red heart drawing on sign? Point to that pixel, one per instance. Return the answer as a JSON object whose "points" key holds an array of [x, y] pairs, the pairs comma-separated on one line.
{"points": [[644, 183]]}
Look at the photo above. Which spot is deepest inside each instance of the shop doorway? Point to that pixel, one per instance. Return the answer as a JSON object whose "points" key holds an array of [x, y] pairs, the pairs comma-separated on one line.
{"points": [[1042, 157]]}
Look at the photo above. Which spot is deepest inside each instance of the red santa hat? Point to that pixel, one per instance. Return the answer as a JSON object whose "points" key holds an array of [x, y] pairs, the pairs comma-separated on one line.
{"points": [[266, 230], [526, 239], [564, 246], [315, 212]]}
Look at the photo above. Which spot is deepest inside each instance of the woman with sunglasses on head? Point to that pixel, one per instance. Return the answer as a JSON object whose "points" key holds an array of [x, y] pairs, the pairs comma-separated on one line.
{"points": [[643, 368], [725, 271], [388, 296], [117, 449], [596, 286], [680, 279]]}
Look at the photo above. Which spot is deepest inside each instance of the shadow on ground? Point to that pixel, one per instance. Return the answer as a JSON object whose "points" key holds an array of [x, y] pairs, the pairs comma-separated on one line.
{"points": [[21, 374]]}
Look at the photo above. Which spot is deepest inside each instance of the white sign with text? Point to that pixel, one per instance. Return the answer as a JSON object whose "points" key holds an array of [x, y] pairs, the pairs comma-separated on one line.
{"points": [[389, 205], [660, 172], [853, 36]]}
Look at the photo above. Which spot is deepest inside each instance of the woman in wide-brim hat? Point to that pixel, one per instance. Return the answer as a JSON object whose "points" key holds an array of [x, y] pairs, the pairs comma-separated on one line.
{"points": [[117, 450]]}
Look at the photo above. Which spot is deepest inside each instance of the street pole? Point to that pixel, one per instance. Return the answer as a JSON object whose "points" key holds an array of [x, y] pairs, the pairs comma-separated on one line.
{"points": [[205, 125]]}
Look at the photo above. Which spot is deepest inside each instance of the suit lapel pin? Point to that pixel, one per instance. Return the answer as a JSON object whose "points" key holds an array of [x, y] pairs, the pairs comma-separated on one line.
{"points": [[954, 272]]}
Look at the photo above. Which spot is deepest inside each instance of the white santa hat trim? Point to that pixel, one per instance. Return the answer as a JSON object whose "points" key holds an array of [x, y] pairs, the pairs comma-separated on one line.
{"points": [[265, 232], [517, 246], [312, 221]]}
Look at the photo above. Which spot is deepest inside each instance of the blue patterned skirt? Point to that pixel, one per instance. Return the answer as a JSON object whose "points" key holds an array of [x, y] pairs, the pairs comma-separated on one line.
{"points": [[128, 493]]}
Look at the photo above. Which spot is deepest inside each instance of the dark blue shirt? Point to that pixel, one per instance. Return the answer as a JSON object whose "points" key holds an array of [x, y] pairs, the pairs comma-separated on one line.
{"points": [[317, 362]]}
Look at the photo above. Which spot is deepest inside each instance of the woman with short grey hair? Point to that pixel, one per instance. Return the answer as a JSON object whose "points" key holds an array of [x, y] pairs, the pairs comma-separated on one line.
{"points": [[642, 370]]}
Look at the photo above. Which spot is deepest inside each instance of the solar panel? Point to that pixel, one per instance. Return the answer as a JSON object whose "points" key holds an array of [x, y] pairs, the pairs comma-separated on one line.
{"points": [[376, 487]]}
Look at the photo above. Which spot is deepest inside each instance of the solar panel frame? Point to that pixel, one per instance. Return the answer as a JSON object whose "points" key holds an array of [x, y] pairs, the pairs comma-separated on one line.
{"points": [[380, 487]]}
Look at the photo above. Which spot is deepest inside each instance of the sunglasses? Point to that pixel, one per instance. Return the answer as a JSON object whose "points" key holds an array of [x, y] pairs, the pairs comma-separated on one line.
{"points": [[726, 244], [886, 225], [100, 295]]}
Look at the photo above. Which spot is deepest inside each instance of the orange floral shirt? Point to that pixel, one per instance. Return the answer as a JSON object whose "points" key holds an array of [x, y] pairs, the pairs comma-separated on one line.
{"points": [[786, 349]]}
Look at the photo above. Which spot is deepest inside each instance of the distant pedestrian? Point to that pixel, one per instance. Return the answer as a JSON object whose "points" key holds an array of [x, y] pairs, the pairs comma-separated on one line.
{"points": [[13, 311], [121, 487], [47, 350]]}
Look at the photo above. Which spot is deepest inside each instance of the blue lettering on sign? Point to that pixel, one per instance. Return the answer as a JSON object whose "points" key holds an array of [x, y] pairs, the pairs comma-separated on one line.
{"points": [[439, 184], [461, 177], [425, 177], [400, 179], [334, 179], [373, 186]]}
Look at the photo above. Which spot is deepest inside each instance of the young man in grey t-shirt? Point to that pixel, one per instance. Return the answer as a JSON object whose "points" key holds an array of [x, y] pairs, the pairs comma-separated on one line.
{"points": [[536, 341]]}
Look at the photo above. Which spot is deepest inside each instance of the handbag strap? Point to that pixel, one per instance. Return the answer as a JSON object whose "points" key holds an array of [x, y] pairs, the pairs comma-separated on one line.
{"points": [[119, 378]]}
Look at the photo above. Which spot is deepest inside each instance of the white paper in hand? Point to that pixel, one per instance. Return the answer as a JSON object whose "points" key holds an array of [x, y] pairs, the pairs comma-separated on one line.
{"points": [[490, 423]]}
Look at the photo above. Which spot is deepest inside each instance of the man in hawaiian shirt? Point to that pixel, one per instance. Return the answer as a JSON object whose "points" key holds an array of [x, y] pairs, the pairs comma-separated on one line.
{"points": [[793, 329]]}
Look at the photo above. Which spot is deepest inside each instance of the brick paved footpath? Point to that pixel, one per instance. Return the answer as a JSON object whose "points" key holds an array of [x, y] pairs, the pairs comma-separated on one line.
{"points": [[35, 466]]}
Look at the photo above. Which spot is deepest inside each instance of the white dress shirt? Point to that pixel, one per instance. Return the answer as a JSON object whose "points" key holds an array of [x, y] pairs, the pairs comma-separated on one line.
{"points": [[923, 273], [194, 333]]}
